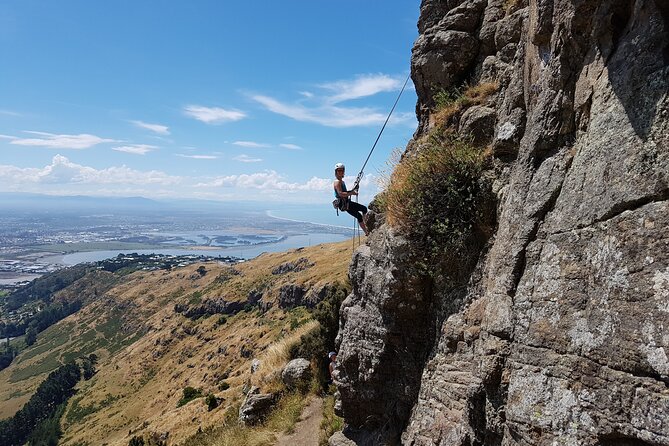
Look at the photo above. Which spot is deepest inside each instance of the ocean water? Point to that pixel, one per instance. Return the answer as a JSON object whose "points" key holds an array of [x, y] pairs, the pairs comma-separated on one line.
{"points": [[323, 214], [244, 252]]}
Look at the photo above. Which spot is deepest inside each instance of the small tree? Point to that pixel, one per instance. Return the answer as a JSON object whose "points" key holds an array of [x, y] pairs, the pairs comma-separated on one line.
{"points": [[212, 402], [31, 336]]}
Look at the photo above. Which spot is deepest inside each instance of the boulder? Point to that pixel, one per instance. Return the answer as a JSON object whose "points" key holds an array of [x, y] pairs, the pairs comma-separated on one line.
{"points": [[296, 372], [256, 406]]}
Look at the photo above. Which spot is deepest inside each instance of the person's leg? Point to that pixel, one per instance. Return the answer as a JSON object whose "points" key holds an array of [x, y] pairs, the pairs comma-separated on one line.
{"points": [[358, 210]]}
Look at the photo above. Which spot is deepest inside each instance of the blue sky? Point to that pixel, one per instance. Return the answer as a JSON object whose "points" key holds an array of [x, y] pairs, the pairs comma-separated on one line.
{"points": [[201, 99]]}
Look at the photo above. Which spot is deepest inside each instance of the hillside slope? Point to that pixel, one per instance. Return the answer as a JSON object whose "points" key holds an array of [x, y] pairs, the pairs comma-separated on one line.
{"points": [[158, 332], [540, 319]]}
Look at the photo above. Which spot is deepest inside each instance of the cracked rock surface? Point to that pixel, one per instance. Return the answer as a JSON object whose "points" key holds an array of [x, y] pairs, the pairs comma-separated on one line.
{"points": [[561, 333]]}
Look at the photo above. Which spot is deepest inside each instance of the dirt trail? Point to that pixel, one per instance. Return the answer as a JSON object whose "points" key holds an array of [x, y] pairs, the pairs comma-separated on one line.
{"points": [[308, 429]]}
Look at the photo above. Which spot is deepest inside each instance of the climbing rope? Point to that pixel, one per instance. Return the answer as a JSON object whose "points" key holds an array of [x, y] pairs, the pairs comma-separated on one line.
{"points": [[359, 177], [356, 226]]}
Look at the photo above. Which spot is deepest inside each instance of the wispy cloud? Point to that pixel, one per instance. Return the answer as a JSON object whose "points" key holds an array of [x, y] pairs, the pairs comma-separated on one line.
{"points": [[328, 115], [291, 146], [326, 108], [156, 128], [10, 113], [53, 141], [198, 157], [213, 115], [136, 149], [361, 86], [246, 159], [251, 144]]}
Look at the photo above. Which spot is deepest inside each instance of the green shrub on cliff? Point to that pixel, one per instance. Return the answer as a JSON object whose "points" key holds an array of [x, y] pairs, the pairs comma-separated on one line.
{"points": [[437, 198], [316, 344]]}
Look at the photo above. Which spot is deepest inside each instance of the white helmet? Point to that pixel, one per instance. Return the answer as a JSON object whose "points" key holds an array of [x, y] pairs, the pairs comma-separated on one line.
{"points": [[340, 166]]}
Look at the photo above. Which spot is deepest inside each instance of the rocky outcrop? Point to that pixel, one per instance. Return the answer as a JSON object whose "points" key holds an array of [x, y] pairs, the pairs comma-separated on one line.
{"points": [[289, 267], [296, 373], [256, 406], [558, 334], [208, 307]]}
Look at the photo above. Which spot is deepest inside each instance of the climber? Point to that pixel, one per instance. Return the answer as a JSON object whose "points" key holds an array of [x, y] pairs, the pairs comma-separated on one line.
{"points": [[333, 363], [342, 198]]}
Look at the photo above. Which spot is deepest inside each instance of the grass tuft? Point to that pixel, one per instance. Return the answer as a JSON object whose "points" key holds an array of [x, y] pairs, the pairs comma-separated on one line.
{"points": [[450, 103]]}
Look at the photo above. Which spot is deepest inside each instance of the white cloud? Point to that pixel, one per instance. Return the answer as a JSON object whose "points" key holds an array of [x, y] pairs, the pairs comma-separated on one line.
{"points": [[251, 144], [213, 115], [63, 171], [268, 180], [156, 128], [135, 149], [53, 141], [362, 86], [247, 159], [198, 157], [291, 146]]}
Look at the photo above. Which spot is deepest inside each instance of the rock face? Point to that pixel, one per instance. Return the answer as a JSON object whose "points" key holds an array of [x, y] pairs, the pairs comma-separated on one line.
{"points": [[559, 334], [296, 372]]}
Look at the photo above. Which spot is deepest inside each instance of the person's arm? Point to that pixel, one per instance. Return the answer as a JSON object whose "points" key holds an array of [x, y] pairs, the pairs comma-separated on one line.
{"points": [[341, 193]]}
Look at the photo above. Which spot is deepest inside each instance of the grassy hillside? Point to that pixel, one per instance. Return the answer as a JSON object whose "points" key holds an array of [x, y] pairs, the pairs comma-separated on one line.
{"points": [[149, 352]]}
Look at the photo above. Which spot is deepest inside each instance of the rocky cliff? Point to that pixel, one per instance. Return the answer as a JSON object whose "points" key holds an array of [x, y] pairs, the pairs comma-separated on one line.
{"points": [[553, 328]]}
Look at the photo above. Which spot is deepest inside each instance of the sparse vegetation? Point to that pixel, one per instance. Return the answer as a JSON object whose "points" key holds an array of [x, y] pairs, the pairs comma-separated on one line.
{"points": [[438, 199], [211, 356]]}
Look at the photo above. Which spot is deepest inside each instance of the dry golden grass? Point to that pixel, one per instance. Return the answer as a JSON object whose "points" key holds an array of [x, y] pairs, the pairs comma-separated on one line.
{"points": [[275, 357], [137, 387], [472, 95], [281, 420]]}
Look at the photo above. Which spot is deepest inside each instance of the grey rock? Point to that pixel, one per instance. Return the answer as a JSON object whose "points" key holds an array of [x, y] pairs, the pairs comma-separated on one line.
{"points": [[558, 335], [291, 296], [297, 372], [508, 133], [256, 406], [509, 29], [438, 60], [465, 17], [478, 122], [299, 265]]}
